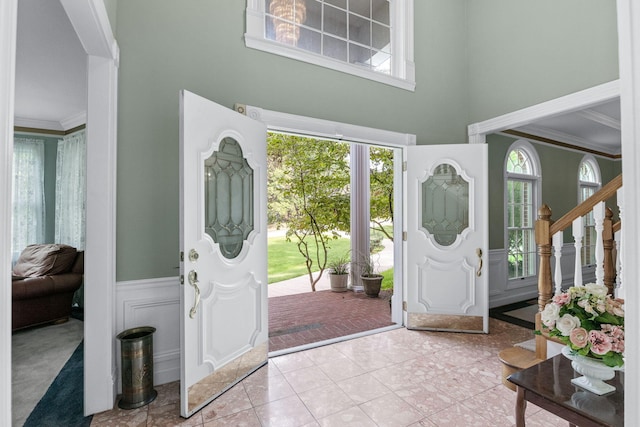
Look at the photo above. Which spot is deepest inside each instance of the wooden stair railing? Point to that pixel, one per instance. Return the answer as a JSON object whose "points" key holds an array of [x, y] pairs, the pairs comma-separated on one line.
{"points": [[546, 228], [516, 358]]}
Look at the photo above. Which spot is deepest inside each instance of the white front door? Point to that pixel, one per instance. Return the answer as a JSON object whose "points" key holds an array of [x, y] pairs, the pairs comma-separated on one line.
{"points": [[446, 250], [223, 239]]}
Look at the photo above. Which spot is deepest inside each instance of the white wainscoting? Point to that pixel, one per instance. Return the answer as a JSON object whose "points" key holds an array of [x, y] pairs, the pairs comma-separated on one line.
{"points": [[503, 291], [153, 302]]}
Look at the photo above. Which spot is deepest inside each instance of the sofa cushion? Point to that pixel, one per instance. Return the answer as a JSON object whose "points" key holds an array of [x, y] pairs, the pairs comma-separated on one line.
{"points": [[44, 259]]}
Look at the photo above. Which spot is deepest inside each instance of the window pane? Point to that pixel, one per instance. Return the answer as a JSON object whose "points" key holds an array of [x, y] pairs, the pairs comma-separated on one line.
{"points": [[445, 204], [381, 37], [380, 11], [334, 48], [310, 40], [359, 55], [381, 62], [339, 3], [305, 24], [518, 162], [520, 221], [587, 174], [359, 30], [335, 22], [228, 183], [314, 15], [361, 7]]}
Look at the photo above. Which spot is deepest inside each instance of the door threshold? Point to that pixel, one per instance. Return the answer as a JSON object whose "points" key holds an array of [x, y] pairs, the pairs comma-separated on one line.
{"points": [[332, 341]]}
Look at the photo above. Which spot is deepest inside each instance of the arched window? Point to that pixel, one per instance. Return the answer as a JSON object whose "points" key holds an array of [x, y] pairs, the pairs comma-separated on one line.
{"points": [[521, 187], [588, 183]]}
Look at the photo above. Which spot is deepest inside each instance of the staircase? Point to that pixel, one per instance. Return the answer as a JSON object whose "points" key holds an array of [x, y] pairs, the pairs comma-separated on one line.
{"points": [[549, 235]]}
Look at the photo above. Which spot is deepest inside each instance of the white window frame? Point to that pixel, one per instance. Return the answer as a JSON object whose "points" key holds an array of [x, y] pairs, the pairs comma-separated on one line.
{"points": [[402, 69], [535, 178], [596, 185]]}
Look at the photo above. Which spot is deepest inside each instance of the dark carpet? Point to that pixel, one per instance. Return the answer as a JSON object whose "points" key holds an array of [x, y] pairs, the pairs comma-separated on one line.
{"points": [[501, 313], [62, 404]]}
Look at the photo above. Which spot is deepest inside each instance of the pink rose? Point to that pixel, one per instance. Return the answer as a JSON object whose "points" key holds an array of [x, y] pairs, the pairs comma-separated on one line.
{"points": [[561, 299], [579, 337], [600, 342]]}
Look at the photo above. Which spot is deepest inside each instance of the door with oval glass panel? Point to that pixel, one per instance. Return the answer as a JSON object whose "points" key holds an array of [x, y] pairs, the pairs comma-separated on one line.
{"points": [[223, 243], [446, 193]]}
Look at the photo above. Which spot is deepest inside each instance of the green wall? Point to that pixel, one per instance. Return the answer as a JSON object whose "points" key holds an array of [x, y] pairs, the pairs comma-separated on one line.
{"points": [[198, 45], [559, 170], [523, 52]]}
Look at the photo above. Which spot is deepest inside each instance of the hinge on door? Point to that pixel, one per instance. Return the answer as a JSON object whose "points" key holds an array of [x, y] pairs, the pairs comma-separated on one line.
{"points": [[404, 236], [404, 306], [182, 279], [181, 256], [404, 166]]}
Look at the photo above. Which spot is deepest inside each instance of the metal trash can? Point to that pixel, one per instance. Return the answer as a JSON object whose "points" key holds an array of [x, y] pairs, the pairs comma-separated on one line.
{"points": [[136, 356]]}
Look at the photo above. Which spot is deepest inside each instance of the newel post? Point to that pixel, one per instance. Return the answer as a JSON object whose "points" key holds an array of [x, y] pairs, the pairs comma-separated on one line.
{"points": [[608, 243], [543, 241]]}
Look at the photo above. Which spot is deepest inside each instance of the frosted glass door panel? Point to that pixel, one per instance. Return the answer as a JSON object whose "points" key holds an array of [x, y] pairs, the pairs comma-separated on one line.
{"points": [[445, 204], [228, 196]]}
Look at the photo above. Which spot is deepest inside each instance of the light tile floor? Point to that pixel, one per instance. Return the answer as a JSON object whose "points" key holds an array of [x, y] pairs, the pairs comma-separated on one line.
{"points": [[397, 378]]}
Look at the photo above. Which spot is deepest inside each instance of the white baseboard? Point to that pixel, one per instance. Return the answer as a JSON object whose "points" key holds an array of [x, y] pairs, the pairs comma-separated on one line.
{"points": [[153, 302]]}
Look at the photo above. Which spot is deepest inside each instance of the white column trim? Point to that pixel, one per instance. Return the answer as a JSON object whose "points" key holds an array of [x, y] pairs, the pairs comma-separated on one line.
{"points": [[8, 24], [90, 21], [629, 56]]}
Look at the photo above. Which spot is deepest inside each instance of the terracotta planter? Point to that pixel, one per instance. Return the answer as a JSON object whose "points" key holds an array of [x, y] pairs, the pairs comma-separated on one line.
{"points": [[372, 285], [338, 282]]}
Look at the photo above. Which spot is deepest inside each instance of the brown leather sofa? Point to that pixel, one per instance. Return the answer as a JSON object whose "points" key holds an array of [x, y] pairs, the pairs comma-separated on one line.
{"points": [[44, 280]]}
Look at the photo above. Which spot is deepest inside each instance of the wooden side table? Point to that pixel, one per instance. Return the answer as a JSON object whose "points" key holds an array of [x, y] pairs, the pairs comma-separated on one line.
{"points": [[548, 385]]}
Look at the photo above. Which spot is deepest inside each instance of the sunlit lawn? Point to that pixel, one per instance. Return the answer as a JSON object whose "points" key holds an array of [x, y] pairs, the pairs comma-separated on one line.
{"points": [[285, 262]]}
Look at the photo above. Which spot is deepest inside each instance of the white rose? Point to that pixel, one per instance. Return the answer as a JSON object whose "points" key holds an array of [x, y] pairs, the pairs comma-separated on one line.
{"points": [[599, 291], [550, 314], [567, 323]]}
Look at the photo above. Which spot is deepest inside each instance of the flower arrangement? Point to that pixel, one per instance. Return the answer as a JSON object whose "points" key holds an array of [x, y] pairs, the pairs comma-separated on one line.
{"points": [[589, 321]]}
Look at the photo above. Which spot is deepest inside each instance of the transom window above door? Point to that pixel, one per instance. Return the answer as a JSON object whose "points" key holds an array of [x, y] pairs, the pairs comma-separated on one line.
{"points": [[369, 38]]}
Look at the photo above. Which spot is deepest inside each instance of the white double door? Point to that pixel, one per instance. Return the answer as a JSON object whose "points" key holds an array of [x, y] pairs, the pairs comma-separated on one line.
{"points": [[223, 241]]}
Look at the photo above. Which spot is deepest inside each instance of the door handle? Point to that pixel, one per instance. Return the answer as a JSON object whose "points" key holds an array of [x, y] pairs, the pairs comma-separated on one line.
{"points": [[479, 253], [193, 281]]}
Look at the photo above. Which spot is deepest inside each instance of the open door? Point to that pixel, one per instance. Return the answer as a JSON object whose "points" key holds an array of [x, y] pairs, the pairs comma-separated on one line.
{"points": [[223, 243], [446, 193]]}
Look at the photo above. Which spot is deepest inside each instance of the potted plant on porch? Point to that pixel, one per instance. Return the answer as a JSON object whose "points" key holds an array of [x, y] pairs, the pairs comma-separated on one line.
{"points": [[370, 278], [339, 274]]}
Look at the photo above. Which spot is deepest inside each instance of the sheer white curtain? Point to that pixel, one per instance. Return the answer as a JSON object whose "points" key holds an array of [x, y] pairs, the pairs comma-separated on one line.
{"points": [[28, 193], [71, 173]]}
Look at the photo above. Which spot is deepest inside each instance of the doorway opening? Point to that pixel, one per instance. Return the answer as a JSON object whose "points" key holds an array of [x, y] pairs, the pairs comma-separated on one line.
{"points": [[314, 184]]}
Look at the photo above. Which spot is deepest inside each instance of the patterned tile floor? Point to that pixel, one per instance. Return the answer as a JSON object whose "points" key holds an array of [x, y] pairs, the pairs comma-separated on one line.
{"points": [[396, 378]]}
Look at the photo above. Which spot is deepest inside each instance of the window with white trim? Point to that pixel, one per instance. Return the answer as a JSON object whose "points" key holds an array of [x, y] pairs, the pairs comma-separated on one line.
{"points": [[28, 220], [588, 183], [369, 38], [521, 187]]}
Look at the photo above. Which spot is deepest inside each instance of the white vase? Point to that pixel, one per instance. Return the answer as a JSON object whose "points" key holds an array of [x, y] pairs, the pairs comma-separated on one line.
{"points": [[594, 372]]}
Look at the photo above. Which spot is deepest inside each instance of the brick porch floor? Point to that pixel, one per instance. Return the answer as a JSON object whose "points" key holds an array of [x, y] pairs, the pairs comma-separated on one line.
{"points": [[315, 316]]}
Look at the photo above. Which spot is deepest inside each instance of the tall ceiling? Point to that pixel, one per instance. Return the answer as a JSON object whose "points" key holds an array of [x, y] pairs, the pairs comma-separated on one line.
{"points": [[51, 68], [51, 91]]}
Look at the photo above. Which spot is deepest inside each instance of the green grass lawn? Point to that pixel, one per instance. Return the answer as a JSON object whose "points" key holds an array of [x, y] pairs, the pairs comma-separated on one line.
{"points": [[285, 262]]}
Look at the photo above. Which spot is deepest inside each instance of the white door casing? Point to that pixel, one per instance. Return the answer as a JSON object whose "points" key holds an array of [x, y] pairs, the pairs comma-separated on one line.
{"points": [[223, 320], [447, 286]]}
